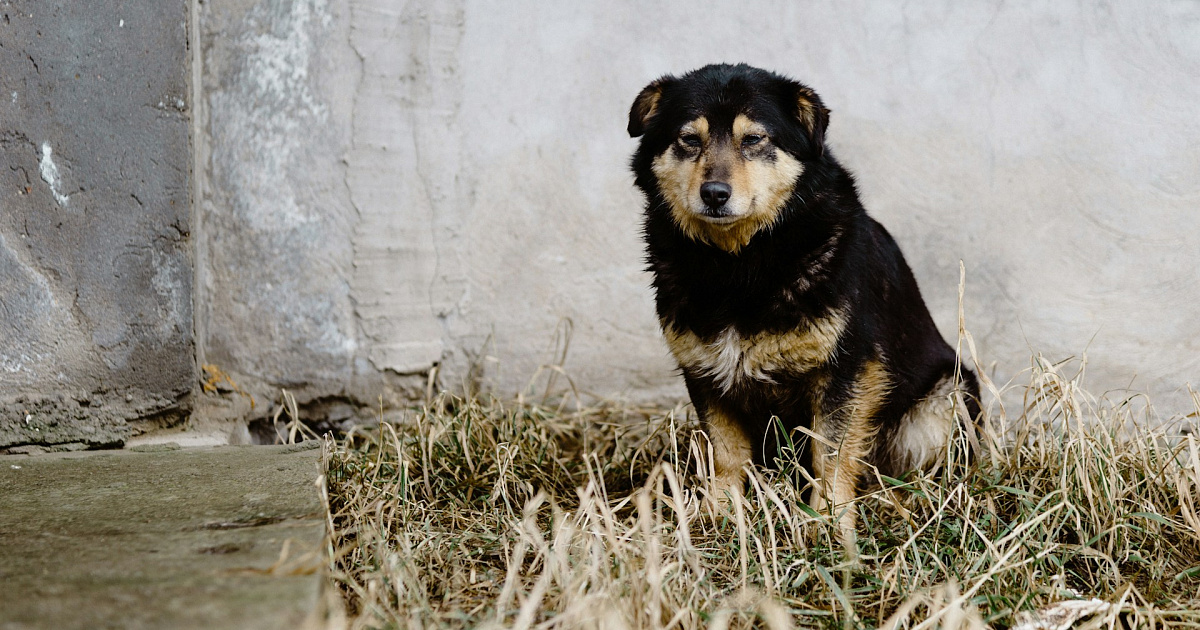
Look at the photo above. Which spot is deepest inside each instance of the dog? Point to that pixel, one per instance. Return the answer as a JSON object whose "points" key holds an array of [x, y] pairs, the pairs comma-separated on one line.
{"points": [[785, 305]]}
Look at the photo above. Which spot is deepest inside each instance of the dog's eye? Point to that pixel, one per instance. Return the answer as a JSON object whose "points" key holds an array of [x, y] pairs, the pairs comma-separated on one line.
{"points": [[751, 140], [690, 139]]}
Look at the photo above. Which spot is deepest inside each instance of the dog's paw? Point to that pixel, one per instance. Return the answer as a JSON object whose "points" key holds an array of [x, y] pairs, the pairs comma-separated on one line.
{"points": [[719, 496]]}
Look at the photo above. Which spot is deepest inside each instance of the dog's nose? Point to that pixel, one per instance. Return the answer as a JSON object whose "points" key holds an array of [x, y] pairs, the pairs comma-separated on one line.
{"points": [[715, 194]]}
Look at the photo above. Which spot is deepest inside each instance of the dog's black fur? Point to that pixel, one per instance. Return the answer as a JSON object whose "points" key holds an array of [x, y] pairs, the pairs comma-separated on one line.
{"points": [[819, 286]]}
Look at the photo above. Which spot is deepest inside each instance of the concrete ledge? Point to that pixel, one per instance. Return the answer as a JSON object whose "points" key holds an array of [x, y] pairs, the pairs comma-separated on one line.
{"points": [[208, 538]]}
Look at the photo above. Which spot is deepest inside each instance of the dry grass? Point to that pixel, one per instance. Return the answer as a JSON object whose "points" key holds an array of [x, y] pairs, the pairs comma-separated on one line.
{"points": [[474, 513]]}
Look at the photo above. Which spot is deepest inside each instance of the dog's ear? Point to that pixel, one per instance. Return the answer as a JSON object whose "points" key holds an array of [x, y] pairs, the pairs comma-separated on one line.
{"points": [[645, 106], [813, 116]]}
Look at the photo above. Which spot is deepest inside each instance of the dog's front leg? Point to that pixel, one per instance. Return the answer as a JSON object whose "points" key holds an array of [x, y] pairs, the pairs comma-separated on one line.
{"points": [[731, 452], [839, 463], [848, 432], [838, 467]]}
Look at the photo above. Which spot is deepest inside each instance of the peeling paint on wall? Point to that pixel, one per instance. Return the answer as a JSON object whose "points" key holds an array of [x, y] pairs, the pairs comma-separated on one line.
{"points": [[49, 172]]}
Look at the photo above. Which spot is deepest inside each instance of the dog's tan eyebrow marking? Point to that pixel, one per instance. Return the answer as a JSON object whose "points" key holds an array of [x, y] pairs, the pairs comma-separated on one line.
{"points": [[744, 126], [698, 126]]}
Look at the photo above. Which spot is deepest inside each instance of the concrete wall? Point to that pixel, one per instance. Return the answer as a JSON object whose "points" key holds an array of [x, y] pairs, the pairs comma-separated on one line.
{"points": [[95, 265], [384, 187], [372, 207], [395, 185], [274, 214]]}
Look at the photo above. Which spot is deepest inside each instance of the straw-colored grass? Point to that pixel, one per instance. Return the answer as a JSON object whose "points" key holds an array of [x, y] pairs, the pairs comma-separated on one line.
{"points": [[477, 513]]}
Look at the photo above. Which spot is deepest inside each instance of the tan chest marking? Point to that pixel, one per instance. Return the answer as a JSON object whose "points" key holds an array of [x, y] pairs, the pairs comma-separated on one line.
{"points": [[732, 358]]}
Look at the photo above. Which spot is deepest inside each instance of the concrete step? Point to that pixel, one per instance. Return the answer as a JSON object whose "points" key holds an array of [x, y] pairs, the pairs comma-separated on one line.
{"points": [[226, 537]]}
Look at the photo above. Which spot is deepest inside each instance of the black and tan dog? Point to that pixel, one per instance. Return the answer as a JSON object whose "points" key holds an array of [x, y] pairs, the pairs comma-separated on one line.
{"points": [[777, 294]]}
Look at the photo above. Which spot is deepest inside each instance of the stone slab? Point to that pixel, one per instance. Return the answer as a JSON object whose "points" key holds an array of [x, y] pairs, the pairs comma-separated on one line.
{"points": [[224, 537]]}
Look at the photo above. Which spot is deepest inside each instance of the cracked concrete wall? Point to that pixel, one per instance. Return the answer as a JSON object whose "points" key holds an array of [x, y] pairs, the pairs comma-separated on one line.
{"points": [[394, 185], [95, 265]]}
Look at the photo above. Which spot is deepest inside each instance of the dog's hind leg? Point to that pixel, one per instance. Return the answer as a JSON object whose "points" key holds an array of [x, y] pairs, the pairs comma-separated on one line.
{"points": [[920, 440]]}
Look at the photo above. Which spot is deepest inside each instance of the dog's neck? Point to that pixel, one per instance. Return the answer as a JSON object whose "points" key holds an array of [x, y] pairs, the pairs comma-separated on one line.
{"points": [[783, 267]]}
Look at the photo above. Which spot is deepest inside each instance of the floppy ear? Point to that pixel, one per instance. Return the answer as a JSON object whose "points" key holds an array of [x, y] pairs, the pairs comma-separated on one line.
{"points": [[645, 105], [813, 116]]}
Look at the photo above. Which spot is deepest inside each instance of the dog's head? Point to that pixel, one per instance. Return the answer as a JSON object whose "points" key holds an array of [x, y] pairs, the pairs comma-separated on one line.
{"points": [[724, 146]]}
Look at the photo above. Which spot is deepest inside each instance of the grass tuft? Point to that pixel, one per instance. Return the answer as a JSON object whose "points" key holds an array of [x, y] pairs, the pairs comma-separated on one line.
{"points": [[473, 512]]}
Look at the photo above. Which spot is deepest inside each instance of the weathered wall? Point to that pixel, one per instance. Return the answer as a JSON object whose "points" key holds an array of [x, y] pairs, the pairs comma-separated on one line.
{"points": [[390, 185], [274, 215], [95, 266]]}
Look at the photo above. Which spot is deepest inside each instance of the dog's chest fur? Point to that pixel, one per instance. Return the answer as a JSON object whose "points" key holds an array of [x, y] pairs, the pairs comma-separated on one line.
{"points": [[733, 359]]}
